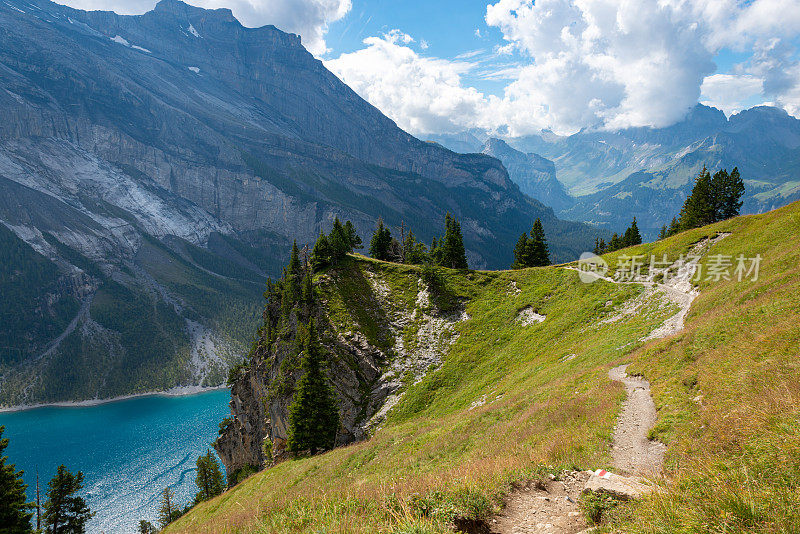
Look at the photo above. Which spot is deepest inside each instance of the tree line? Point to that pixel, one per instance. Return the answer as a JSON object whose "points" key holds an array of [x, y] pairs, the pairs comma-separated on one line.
{"points": [[630, 238], [713, 199], [447, 251]]}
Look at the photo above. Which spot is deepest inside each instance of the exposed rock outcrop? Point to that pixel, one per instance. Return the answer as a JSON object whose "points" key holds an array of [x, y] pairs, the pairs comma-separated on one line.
{"points": [[376, 344]]}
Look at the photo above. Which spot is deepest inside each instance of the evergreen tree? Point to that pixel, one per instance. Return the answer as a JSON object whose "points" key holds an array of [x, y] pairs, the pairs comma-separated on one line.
{"points": [[168, 511], [146, 527], [414, 252], [540, 252], [732, 192], [15, 516], [632, 236], [453, 254], [209, 477], [321, 254], [340, 241], [699, 208], [308, 289], [65, 512], [379, 245], [313, 414], [295, 268], [521, 252], [352, 237]]}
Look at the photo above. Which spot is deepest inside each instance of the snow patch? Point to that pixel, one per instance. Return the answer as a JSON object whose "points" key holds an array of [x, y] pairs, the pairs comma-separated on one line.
{"points": [[194, 69], [117, 39], [142, 49], [194, 32]]}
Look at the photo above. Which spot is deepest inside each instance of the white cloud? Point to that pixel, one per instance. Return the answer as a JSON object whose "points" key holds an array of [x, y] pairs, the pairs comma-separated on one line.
{"points": [[730, 92], [308, 18], [423, 95], [601, 63], [588, 63]]}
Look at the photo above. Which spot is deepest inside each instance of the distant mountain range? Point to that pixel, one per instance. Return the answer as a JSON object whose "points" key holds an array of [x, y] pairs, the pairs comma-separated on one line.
{"points": [[154, 170], [647, 172]]}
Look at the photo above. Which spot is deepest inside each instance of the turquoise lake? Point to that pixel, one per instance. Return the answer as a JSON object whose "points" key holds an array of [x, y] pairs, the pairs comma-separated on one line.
{"points": [[128, 450]]}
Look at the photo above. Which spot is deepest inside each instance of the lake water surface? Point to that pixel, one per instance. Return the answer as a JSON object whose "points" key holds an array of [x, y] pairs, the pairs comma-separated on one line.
{"points": [[128, 450]]}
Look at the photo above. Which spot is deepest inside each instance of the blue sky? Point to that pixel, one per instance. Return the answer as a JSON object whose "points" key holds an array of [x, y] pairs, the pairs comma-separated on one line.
{"points": [[447, 27], [515, 67]]}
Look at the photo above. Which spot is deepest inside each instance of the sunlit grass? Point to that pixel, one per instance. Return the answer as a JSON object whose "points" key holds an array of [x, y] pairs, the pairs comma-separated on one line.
{"points": [[510, 400]]}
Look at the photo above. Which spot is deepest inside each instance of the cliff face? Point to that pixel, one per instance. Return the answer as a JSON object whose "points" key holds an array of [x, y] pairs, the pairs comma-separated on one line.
{"points": [[171, 158], [381, 331]]}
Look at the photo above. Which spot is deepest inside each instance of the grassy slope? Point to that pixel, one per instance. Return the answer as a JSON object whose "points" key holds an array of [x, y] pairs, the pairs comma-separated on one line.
{"points": [[738, 353]]}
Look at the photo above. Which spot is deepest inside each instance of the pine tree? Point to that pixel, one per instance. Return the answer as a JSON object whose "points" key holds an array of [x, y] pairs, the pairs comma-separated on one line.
{"points": [[521, 252], [15, 516], [732, 193], [146, 527], [167, 509], [352, 237], [313, 414], [414, 252], [699, 208], [632, 235], [291, 285], [381, 242], [540, 253], [321, 253], [340, 241], [663, 232], [452, 254], [65, 512], [209, 478]]}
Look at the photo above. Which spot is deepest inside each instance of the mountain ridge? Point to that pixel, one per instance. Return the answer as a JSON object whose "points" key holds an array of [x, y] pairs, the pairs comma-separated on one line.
{"points": [[164, 162]]}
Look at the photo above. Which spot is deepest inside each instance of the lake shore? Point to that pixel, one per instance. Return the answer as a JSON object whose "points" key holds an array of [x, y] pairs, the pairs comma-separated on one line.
{"points": [[177, 391]]}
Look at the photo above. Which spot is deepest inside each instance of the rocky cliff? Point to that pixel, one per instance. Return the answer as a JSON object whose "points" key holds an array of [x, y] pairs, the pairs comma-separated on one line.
{"points": [[170, 158], [382, 330]]}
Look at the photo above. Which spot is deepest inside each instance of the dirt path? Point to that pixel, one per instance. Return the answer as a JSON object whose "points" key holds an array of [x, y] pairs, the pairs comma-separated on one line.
{"points": [[632, 452], [553, 509]]}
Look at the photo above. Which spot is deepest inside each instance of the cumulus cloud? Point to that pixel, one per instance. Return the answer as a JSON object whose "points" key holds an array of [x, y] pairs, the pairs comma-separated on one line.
{"points": [[423, 95], [307, 18], [601, 63], [573, 64], [730, 92]]}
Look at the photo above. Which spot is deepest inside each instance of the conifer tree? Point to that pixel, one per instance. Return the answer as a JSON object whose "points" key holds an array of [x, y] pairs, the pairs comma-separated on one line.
{"points": [[167, 509], [632, 235], [65, 512], [414, 252], [15, 514], [146, 527], [313, 414], [521, 252], [340, 241], [209, 477], [452, 254], [321, 253], [540, 252], [379, 245], [352, 237], [732, 192]]}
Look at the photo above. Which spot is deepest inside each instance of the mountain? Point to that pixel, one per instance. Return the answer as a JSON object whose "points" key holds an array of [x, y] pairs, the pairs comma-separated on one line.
{"points": [[648, 172], [525, 396], [535, 175], [155, 169]]}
